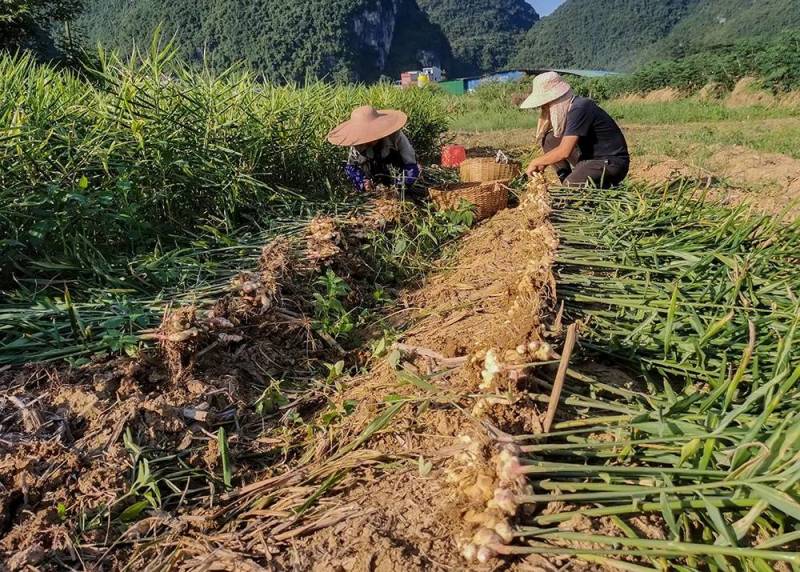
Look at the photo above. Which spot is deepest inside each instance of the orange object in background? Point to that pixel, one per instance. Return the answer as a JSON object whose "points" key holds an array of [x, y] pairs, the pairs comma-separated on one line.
{"points": [[453, 155]]}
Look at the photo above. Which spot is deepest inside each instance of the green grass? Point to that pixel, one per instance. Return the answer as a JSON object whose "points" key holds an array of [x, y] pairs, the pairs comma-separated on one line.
{"points": [[478, 116], [690, 111], [494, 120], [700, 141], [478, 113], [493, 106]]}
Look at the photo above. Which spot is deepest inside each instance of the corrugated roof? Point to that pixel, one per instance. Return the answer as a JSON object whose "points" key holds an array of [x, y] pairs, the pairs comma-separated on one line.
{"points": [[586, 73], [575, 72]]}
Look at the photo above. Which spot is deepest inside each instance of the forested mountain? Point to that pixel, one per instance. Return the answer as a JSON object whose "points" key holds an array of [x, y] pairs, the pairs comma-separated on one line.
{"points": [[600, 33], [28, 24], [339, 39], [621, 34], [484, 34], [350, 40], [719, 22]]}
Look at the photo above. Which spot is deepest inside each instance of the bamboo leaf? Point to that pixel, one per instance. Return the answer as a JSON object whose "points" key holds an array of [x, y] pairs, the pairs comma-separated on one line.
{"points": [[778, 499], [224, 455], [673, 306], [669, 517], [377, 424]]}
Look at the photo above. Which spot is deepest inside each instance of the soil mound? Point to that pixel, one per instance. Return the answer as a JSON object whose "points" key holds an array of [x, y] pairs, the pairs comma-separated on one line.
{"points": [[748, 92], [421, 513], [387, 470], [769, 182], [778, 177], [664, 95], [658, 169]]}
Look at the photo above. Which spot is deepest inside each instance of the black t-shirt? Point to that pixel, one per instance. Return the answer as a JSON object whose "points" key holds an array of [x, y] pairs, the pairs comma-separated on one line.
{"points": [[599, 136]]}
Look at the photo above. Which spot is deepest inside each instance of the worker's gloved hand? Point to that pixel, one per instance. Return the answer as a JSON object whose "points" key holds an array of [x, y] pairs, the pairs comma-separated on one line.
{"points": [[408, 176], [535, 167], [356, 176]]}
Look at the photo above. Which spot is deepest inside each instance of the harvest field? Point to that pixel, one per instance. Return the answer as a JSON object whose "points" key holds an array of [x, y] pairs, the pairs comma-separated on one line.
{"points": [[214, 357]]}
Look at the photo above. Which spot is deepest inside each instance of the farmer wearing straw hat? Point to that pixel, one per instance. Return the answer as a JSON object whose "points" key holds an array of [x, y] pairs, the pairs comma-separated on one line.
{"points": [[580, 141], [380, 153]]}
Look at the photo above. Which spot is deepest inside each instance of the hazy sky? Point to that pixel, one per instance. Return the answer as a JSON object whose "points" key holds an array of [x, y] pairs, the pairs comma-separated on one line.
{"points": [[544, 7]]}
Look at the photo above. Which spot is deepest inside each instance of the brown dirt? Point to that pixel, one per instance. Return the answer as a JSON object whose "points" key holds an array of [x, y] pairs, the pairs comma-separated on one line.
{"points": [[748, 93], [659, 169], [412, 518], [769, 182], [750, 167], [790, 100], [778, 174], [410, 501], [68, 435], [321, 486], [665, 95], [711, 92]]}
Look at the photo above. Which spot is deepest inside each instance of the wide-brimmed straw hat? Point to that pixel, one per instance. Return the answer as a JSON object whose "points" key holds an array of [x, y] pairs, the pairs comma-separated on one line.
{"points": [[547, 87], [367, 124]]}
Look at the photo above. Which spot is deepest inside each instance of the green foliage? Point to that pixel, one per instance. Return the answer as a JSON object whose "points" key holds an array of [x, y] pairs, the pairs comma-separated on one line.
{"points": [[623, 34], [683, 279], [407, 249], [483, 33], [336, 413], [775, 61], [691, 110], [157, 182], [271, 400], [333, 39], [417, 43], [604, 34], [225, 458], [700, 298], [493, 106], [724, 22], [134, 160], [160, 481], [332, 317], [26, 23]]}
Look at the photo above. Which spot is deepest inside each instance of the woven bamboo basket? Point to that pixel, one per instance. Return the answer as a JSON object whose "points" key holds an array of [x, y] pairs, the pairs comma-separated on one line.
{"points": [[488, 198], [484, 169]]}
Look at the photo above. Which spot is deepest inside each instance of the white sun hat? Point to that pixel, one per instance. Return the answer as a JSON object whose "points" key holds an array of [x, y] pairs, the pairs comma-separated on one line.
{"points": [[547, 87]]}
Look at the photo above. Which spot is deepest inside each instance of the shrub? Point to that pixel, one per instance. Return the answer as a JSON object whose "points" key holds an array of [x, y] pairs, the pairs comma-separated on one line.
{"points": [[149, 150], [774, 61]]}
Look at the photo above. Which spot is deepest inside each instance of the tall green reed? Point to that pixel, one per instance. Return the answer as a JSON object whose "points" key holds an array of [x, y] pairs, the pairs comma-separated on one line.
{"points": [[138, 182], [149, 149]]}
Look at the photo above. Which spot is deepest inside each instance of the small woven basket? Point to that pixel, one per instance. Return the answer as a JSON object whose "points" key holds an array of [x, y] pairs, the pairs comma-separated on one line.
{"points": [[484, 169], [488, 198]]}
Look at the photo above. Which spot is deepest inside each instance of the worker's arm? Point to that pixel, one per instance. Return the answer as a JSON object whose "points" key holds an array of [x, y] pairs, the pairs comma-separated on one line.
{"points": [[560, 153], [358, 178]]}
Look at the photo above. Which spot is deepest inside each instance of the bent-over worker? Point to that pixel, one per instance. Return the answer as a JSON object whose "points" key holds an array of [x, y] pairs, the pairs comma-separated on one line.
{"points": [[580, 140], [380, 152]]}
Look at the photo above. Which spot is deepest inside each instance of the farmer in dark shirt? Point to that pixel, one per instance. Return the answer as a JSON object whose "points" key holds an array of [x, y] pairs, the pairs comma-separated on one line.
{"points": [[580, 141], [380, 153]]}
